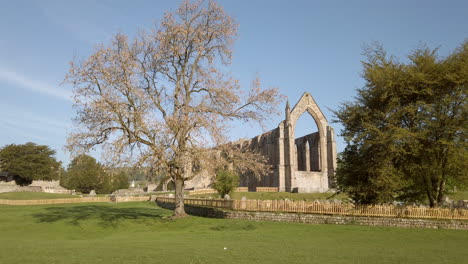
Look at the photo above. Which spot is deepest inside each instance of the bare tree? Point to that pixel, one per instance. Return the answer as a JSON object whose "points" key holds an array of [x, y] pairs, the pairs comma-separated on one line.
{"points": [[164, 97]]}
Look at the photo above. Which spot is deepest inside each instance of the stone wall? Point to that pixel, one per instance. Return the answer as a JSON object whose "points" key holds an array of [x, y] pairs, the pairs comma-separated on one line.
{"points": [[310, 182], [267, 145], [308, 152], [49, 186], [129, 192], [12, 187], [320, 219], [35, 186]]}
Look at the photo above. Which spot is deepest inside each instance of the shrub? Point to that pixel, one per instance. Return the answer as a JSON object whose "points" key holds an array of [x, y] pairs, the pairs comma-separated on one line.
{"points": [[225, 182]]}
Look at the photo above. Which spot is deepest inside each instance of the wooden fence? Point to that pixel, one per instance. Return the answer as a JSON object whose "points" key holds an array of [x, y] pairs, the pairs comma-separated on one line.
{"points": [[76, 200], [209, 190], [266, 189], [329, 209]]}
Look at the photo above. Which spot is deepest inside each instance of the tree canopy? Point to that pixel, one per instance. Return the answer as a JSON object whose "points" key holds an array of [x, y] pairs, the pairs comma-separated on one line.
{"points": [[30, 162], [166, 98], [225, 182], [85, 174], [406, 130]]}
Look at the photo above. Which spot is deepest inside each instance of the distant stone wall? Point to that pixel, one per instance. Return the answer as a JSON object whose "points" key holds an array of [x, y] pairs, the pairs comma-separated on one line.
{"points": [[35, 186], [12, 187], [49, 186], [129, 192], [320, 219]]}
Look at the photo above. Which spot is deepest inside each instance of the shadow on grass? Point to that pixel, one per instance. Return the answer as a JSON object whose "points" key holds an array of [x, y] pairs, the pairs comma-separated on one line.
{"points": [[234, 227], [107, 216]]}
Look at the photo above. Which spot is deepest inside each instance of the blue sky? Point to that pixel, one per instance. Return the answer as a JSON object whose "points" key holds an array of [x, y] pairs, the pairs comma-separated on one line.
{"points": [[297, 46]]}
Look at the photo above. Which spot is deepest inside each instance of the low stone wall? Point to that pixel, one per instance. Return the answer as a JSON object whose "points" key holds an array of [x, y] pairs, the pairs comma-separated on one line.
{"points": [[129, 192], [56, 201], [131, 199], [6, 187], [35, 186], [105, 199], [320, 219]]}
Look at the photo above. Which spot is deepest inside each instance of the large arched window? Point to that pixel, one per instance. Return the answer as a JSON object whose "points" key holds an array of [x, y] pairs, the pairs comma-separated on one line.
{"points": [[307, 141], [170, 186]]}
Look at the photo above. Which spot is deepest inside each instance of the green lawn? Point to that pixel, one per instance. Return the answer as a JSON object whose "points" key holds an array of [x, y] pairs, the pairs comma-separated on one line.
{"points": [[139, 232], [461, 195], [34, 196], [278, 196]]}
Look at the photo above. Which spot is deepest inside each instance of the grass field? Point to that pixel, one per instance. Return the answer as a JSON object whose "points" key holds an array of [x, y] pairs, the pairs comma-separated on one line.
{"points": [[34, 196], [277, 196], [461, 195], [139, 232]]}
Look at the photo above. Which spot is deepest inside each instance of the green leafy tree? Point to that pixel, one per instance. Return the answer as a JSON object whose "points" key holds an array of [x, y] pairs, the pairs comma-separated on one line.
{"points": [[85, 174], [225, 182], [405, 131], [30, 162], [120, 181]]}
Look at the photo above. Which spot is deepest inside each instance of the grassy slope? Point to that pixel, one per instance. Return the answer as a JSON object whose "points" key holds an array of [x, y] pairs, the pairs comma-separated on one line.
{"points": [[34, 196], [138, 233], [278, 196]]}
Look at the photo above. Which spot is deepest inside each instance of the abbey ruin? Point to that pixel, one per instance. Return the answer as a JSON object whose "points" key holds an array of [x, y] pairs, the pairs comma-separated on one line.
{"points": [[305, 164]]}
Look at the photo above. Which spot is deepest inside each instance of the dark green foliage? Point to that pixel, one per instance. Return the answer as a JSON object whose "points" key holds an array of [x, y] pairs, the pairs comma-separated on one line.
{"points": [[29, 162], [225, 182], [405, 132], [170, 186], [120, 181], [85, 174]]}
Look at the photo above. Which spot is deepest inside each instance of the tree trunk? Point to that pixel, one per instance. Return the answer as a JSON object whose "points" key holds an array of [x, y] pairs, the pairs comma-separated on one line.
{"points": [[428, 190], [179, 210], [440, 194]]}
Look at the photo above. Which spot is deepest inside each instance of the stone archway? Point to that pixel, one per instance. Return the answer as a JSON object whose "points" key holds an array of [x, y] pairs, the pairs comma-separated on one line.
{"points": [[307, 145], [166, 185], [307, 105], [301, 177], [278, 146], [170, 185]]}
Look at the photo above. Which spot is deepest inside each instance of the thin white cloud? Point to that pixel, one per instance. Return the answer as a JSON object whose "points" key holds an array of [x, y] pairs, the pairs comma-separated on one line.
{"points": [[28, 121], [18, 79]]}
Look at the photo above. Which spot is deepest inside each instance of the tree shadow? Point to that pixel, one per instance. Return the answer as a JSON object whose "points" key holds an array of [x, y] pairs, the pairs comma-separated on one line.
{"points": [[107, 216]]}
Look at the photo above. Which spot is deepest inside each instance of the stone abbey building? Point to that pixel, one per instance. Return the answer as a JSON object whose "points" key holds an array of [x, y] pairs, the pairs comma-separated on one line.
{"points": [[305, 164]]}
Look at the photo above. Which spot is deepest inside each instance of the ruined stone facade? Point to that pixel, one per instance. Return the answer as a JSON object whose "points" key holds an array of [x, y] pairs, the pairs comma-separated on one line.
{"points": [[35, 186], [305, 164]]}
